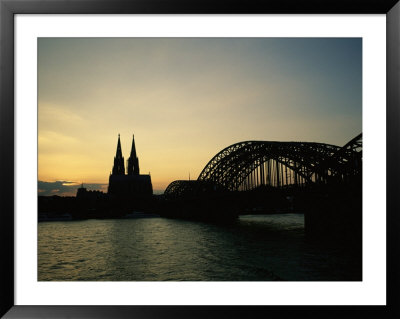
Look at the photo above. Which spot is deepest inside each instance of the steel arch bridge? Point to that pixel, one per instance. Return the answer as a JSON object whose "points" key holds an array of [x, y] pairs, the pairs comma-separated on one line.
{"points": [[250, 164], [185, 189]]}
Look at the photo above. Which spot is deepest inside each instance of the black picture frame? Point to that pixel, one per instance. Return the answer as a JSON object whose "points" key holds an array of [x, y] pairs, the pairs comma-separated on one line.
{"points": [[8, 8]]}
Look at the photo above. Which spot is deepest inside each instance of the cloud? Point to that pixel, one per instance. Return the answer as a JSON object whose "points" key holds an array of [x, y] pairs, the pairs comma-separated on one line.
{"points": [[66, 188], [185, 99]]}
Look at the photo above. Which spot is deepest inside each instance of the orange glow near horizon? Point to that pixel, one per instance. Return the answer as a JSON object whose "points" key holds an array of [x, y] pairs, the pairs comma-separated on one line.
{"points": [[186, 99]]}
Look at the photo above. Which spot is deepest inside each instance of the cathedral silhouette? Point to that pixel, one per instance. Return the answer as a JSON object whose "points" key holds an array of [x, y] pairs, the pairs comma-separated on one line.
{"points": [[132, 184]]}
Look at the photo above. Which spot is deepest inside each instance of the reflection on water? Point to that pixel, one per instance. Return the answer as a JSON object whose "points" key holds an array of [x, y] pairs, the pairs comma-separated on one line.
{"points": [[260, 248]]}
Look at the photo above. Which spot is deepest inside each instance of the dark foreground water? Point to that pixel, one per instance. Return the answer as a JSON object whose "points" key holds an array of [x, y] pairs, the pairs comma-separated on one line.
{"points": [[260, 248]]}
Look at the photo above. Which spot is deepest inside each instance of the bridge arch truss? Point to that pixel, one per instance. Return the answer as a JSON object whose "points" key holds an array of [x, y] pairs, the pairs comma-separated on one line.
{"points": [[249, 164]]}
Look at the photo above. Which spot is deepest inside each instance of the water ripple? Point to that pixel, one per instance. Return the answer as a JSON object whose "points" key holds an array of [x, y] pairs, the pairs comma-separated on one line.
{"points": [[256, 248]]}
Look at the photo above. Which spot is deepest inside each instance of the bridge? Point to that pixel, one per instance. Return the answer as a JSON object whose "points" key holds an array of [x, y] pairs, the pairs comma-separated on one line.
{"points": [[323, 181], [248, 165]]}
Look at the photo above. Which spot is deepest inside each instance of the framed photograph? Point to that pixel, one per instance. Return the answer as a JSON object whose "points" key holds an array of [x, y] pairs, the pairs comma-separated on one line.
{"points": [[189, 160]]}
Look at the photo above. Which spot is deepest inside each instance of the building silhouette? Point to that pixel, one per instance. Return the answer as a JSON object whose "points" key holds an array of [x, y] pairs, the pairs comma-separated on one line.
{"points": [[131, 185], [93, 195]]}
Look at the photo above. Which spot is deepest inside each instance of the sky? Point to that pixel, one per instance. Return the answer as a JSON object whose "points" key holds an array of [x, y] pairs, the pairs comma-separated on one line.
{"points": [[185, 99]]}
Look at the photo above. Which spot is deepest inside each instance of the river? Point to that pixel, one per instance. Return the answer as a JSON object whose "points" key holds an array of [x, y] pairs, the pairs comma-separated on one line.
{"points": [[253, 248]]}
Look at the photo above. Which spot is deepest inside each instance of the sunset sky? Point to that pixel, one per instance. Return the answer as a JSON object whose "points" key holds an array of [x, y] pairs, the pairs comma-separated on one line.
{"points": [[185, 99]]}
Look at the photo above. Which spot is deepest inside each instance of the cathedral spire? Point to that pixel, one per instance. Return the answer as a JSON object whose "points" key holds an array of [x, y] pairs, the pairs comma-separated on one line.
{"points": [[133, 161], [133, 150], [119, 166], [119, 150]]}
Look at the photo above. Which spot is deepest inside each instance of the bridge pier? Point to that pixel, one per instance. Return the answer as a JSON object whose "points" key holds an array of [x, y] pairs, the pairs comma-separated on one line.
{"points": [[335, 217]]}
